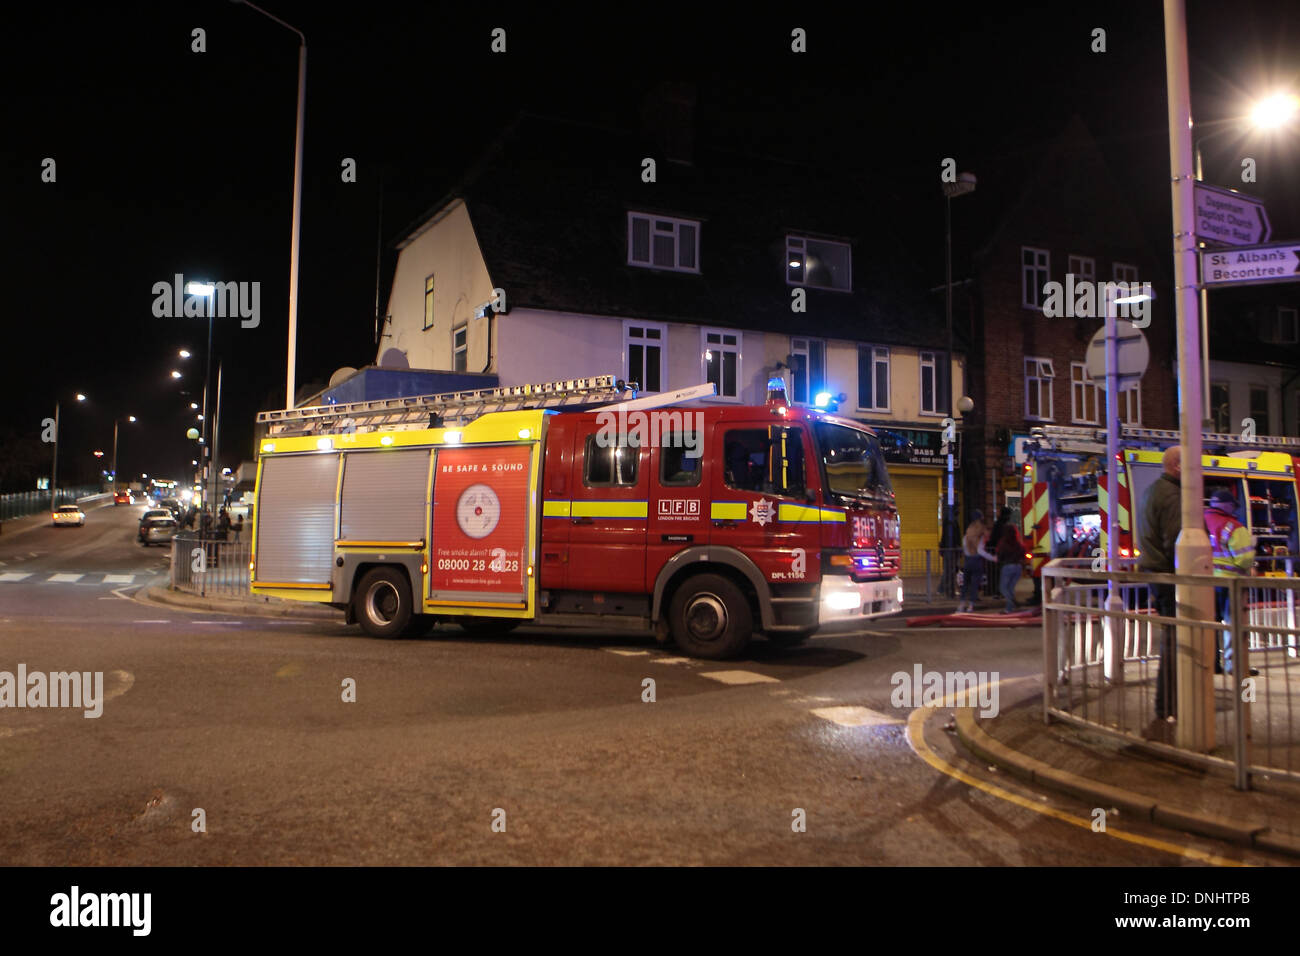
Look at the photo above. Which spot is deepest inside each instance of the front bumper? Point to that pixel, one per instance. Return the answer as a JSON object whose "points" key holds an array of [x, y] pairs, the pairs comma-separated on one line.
{"points": [[845, 603]]}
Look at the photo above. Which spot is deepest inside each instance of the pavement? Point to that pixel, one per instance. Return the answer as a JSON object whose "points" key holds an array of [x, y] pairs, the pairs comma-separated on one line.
{"points": [[1131, 784]]}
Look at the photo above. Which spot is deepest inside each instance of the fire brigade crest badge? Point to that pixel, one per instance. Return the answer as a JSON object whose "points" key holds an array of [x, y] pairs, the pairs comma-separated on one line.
{"points": [[763, 511]]}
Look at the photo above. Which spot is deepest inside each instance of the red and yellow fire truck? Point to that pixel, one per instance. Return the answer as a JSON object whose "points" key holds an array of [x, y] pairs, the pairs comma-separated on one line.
{"points": [[577, 504], [1065, 504]]}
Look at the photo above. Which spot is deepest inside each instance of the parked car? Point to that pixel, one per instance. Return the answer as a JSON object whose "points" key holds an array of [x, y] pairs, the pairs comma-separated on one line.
{"points": [[151, 516], [160, 531], [124, 498], [66, 515], [173, 505]]}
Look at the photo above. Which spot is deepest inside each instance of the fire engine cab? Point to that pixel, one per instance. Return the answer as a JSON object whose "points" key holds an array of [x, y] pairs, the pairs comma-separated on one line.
{"points": [[1066, 505], [578, 504]]}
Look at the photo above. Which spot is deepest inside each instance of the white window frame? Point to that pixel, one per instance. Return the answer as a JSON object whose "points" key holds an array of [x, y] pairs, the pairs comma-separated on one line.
{"points": [[805, 345], [879, 355], [706, 346], [1124, 272], [1041, 265], [797, 245], [1043, 374], [460, 349], [653, 223], [1083, 267], [427, 318], [1130, 403], [931, 359], [628, 337], [1081, 388]]}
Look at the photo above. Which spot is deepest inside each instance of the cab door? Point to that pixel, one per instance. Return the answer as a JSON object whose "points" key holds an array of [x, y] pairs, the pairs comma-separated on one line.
{"points": [[557, 495], [760, 505], [679, 495], [607, 520]]}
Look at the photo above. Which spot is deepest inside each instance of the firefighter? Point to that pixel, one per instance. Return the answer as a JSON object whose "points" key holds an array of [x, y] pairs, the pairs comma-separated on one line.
{"points": [[1234, 556]]}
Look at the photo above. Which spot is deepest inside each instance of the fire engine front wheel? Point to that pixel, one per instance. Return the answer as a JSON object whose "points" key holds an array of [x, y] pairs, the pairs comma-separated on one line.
{"points": [[709, 617], [382, 604]]}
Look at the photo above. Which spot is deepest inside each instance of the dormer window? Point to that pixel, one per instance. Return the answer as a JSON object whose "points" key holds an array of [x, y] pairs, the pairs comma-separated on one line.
{"points": [[819, 263], [660, 242]]}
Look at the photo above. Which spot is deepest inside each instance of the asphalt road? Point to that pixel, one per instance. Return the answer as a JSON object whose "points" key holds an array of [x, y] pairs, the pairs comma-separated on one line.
{"points": [[546, 734]]}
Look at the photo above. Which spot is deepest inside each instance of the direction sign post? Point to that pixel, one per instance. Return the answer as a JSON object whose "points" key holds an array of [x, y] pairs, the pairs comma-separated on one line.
{"points": [[1230, 218], [1251, 265]]}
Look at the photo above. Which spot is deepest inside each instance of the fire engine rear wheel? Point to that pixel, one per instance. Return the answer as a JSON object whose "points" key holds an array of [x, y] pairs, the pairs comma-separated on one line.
{"points": [[382, 604], [709, 617]]}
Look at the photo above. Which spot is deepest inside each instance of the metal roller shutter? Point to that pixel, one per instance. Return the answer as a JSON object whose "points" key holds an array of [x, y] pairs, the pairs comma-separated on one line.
{"points": [[295, 527], [918, 498], [384, 495]]}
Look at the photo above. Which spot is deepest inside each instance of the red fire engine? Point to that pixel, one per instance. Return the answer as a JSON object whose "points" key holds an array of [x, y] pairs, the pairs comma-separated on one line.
{"points": [[511, 505]]}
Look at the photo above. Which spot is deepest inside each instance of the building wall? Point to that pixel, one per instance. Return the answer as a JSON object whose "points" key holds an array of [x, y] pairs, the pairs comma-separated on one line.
{"points": [[449, 251], [1240, 376]]}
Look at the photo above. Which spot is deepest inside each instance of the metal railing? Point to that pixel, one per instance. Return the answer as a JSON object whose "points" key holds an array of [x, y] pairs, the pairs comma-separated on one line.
{"points": [[210, 564], [1107, 647], [19, 504], [930, 575]]}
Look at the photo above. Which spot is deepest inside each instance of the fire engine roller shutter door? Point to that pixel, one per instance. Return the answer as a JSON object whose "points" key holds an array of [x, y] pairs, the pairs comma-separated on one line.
{"points": [[384, 495], [918, 497], [295, 519]]}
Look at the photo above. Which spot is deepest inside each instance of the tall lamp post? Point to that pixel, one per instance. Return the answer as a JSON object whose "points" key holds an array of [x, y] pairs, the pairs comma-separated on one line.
{"points": [[54, 477], [965, 183], [116, 422], [297, 201]]}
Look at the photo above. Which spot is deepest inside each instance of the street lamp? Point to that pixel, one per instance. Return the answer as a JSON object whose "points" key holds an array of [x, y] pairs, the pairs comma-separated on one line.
{"points": [[116, 422], [964, 184], [54, 476], [297, 201]]}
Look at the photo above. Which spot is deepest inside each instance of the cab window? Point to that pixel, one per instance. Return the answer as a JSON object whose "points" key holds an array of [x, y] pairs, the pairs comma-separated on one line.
{"points": [[679, 460], [765, 460], [610, 466]]}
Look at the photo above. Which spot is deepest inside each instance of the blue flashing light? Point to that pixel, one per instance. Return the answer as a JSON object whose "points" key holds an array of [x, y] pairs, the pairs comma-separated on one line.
{"points": [[823, 399], [776, 382]]}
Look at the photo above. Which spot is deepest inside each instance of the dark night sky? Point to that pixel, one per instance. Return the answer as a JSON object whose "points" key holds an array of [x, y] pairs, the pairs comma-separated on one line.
{"points": [[171, 161]]}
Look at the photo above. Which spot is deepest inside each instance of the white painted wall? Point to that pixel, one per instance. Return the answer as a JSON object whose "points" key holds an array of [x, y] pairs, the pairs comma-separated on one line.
{"points": [[1240, 376]]}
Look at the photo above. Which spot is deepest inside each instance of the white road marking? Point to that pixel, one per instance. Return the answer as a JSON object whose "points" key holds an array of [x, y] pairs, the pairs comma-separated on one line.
{"points": [[856, 716], [151, 622], [673, 660], [65, 578], [15, 575], [33, 554], [216, 622], [118, 578], [739, 677], [622, 653]]}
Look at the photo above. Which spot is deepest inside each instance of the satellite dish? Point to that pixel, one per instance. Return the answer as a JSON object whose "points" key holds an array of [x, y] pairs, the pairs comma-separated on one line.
{"points": [[345, 372], [394, 358]]}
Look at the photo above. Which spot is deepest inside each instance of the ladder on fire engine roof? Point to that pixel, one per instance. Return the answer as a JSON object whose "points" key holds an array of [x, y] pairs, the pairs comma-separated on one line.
{"points": [[1166, 436], [459, 408]]}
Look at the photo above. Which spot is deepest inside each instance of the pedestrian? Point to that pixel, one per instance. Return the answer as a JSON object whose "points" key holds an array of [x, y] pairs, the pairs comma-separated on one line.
{"points": [[223, 525], [1234, 555], [238, 526], [975, 552], [1162, 521], [1011, 559]]}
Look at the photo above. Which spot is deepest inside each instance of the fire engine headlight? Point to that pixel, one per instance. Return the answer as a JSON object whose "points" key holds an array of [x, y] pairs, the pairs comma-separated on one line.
{"points": [[843, 600]]}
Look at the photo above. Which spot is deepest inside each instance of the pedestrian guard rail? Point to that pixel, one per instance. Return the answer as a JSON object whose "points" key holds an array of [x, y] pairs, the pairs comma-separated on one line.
{"points": [[1232, 681], [210, 564]]}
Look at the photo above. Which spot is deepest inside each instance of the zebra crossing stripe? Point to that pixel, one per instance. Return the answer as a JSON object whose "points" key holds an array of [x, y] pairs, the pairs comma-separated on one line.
{"points": [[65, 578], [15, 575], [118, 578]]}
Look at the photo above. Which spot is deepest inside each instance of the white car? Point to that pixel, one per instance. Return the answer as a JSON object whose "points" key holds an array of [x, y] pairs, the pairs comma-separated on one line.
{"points": [[68, 515]]}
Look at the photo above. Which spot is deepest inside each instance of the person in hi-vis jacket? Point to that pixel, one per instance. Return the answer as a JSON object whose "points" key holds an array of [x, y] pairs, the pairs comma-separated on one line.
{"points": [[1234, 556]]}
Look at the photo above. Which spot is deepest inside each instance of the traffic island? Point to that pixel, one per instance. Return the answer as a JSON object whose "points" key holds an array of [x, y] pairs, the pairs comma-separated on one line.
{"points": [[164, 596], [1112, 774]]}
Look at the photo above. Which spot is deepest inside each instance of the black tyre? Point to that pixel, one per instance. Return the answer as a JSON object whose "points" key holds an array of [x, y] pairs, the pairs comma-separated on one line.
{"points": [[488, 625], [709, 617], [382, 603]]}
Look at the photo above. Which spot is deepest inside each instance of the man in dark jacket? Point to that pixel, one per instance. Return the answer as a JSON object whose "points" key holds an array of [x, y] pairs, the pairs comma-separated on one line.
{"points": [[1162, 520]]}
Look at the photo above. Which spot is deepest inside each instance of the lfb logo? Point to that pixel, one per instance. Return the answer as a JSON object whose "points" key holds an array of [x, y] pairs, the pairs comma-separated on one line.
{"points": [[679, 507]]}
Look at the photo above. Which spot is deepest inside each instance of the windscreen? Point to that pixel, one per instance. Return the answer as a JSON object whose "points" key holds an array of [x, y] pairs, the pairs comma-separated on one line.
{"points": [[853, 462]]}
